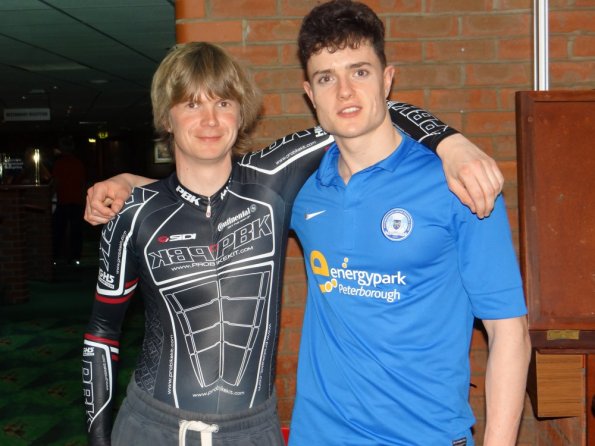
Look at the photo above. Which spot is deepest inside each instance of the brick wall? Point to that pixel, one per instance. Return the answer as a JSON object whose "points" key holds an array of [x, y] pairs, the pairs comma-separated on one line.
{"points": [[461, 59]]}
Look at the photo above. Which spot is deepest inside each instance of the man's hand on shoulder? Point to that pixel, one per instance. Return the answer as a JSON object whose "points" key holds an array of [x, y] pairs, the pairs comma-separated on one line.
{"points": [[472, 175], [106, 198]]}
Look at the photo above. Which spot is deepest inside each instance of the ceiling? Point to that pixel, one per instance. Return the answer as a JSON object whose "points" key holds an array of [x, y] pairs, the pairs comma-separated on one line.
{"points": [[89, 62]]}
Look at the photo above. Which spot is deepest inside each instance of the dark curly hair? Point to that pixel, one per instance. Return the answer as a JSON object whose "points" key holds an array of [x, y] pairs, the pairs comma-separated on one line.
{"points": [[339, 24]]}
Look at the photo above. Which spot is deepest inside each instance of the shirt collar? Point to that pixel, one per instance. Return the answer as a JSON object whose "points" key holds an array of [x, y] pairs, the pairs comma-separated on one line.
{"points": [[328, 171]]}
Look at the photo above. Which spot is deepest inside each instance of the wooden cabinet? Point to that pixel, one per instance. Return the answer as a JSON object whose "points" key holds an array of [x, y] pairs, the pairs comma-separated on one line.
{"points": [[556, 173]]}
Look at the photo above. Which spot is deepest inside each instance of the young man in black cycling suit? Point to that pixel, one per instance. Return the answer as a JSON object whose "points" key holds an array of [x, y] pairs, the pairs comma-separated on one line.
{"points": [[206, 247]]}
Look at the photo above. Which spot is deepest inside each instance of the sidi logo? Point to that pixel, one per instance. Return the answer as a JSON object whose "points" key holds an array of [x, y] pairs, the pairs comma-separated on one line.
{"points": [[175, 238]]}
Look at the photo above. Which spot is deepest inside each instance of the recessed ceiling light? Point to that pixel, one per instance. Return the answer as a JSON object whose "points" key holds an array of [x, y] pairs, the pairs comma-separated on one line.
{"points": [[99, 81]]}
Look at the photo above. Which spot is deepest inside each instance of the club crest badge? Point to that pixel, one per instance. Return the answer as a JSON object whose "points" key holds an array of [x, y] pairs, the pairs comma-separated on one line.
{"points": [[397, 224]]}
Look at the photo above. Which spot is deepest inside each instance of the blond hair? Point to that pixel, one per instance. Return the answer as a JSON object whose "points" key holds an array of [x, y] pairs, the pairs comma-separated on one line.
{"points": [[196, 68]]}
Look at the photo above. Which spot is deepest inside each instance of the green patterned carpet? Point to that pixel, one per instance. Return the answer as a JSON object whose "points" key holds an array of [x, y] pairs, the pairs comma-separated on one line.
{"points": [[40, 365]]}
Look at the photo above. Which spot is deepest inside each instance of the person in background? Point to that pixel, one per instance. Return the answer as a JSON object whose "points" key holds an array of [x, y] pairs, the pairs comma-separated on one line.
{"points": [[398, 268], [68, 173]]}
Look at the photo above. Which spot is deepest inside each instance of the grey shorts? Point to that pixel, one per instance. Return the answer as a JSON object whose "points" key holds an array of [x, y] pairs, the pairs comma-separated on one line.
{"points": [[143, 420]]}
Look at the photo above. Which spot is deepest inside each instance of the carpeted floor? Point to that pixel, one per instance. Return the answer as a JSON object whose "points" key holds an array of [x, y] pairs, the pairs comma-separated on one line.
{"points": [[40, 359]]}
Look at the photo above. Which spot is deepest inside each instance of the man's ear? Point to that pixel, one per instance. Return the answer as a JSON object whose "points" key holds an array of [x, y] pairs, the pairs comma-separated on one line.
{"points": [[308, 90], [389, 74]]}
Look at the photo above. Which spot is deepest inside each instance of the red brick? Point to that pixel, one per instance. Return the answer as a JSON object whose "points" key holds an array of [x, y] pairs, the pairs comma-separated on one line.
{"points": [[288, 79], [291, 317], [460, 50], [273, 30], [459, 99], [255, 55], [504, 147], [295, 293], [573, 73], [415, 97], [394, 6], [489, 122], [558, 47], [571, 21], [426, 76], [454, 120], [293, 341], [460, 6], [520, 48], [478, 359], [272, 105], [499, 25], [509, 170], [485, 143], [190, 9], [242, 8], [283, 388], [289, 54], [285, 408], [507, 98], [477, 388], [399, 52], [583, 46], [492, 74], [294, 270], [217, 32], [515, 4], [299, 9], [294, 248], [296, 103], [479, 340], [422, 26], [286, 364]]}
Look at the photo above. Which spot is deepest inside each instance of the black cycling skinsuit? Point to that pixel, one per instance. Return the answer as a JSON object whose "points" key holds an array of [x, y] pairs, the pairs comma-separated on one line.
{"points": [[210, 272]]}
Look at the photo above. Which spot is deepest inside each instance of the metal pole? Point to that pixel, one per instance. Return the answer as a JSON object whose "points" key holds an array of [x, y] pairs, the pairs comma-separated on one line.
{"points": [[540, 45]]}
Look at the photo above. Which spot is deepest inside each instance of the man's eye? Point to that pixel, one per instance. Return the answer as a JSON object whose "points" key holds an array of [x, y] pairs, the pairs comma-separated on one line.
{"points": [[324, 79], [361, 73]]}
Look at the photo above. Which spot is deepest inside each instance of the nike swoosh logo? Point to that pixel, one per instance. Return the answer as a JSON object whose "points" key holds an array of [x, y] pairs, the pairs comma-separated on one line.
{"points": [[314, 214]]}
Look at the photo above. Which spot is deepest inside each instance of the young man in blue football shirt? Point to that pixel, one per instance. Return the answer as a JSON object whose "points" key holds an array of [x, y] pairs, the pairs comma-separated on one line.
{"points": [[398, 268]]}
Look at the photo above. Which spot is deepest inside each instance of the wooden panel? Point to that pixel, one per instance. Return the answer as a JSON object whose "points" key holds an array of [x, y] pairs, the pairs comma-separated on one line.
{"points": [[556, 159], [556, 385]]}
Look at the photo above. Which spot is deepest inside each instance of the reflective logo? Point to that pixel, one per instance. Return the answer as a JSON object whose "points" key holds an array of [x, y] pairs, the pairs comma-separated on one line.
{"points": [[313, 214], [397, 224], [175, 238]]}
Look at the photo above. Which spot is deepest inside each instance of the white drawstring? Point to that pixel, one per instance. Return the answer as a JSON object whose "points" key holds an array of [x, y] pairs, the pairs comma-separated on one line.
{"points": [[206, 431]]}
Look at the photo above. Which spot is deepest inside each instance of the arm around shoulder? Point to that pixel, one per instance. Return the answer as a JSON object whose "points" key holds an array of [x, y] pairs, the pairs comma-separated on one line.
{"points": [[472, 175], [106, 198]]}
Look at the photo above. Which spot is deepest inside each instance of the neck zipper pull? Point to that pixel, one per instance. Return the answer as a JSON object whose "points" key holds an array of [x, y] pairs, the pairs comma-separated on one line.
{"points": [[208, 213]]}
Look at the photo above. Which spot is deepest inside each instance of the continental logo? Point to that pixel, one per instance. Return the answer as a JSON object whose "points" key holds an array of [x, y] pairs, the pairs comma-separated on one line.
{"points": [[237, 218]]}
